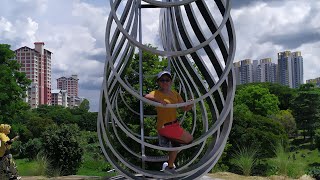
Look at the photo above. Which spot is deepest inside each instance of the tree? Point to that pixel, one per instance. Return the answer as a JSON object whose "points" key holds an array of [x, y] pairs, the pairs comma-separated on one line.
{"points": [[287, 120], [38, 125], [58, 114], [85, 105], [258, 99], [88, 121], [306, 109], [13, 86], [61, 145], [284, 94], [255, 130]]}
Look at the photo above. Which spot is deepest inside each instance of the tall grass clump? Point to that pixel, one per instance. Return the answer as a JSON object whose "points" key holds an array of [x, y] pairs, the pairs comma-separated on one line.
{"points": [[43, 165], [281, 162], [285, 165], [245, 159]]}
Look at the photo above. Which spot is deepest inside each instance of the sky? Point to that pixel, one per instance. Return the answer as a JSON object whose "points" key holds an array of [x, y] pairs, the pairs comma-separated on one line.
{"points": [[74, 31]]}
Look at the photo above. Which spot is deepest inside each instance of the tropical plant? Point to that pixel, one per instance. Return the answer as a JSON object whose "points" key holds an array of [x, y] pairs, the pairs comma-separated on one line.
{"points": [[245, 159]]}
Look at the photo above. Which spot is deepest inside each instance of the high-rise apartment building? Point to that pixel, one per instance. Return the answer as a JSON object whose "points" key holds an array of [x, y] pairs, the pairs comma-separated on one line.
{"points": [[255, 72], [59, 97], [297, 69], [246, 71], [236, 67], [267, 71], [36, 63], [70, 84], [285, 68], [290, 69]]}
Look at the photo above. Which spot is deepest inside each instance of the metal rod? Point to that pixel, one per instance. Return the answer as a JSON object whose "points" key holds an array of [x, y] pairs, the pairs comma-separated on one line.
{"points": [[141, 86], [148, 6]]}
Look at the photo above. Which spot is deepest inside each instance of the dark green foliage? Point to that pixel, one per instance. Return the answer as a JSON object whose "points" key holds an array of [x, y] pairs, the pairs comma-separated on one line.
{"points": [[315, 172], [59, 114], [253, 126], [21, 130], [13, 85], [31, 148], [255, 130], [306, 109], [37, 125], [61, 146], [87, 121], [317, 139], [284, 94]]}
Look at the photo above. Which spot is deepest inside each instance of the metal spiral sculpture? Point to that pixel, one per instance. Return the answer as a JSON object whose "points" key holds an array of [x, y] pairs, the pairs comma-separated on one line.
{"points": [[200, 53]]}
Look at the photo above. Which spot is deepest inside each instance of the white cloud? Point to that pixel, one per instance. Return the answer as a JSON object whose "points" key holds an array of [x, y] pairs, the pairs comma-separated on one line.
{"points": [[5, 27], [261, 20], [21, 30], [74, 31]]}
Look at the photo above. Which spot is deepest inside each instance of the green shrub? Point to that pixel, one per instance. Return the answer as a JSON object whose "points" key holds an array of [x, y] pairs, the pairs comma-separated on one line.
{"points": [[31, 148], [63, 149]]}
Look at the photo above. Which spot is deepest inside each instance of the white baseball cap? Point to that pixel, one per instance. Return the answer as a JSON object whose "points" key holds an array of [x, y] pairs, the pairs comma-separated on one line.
{"points": [[163, 73]]}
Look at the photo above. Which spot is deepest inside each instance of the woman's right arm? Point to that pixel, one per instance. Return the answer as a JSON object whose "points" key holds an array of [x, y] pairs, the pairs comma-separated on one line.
{"points": [[152, 97]]}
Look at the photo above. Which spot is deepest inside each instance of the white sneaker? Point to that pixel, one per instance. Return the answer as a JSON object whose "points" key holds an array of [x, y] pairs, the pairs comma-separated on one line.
{"points": [[170, 170]]}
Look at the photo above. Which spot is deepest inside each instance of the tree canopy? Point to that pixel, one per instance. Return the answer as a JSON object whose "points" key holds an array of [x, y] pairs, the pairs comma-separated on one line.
{"points": [[13, 85], [258, 99], [306, 109]]}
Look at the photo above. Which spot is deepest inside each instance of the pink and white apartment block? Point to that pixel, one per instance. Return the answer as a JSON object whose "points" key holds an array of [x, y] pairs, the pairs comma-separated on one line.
{"points": [[70, 84], [59, 97], [36, 63]]}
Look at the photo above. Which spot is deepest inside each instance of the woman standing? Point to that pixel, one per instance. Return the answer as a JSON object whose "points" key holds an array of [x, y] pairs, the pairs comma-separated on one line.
{"points": [[168, 126]]}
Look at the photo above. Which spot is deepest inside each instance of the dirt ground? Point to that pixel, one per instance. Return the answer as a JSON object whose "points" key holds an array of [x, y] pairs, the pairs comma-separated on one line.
{"points": [[232, 176], [219, 175]]}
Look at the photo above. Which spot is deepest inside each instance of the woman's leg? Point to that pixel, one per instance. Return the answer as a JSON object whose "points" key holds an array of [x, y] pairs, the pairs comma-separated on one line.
{"points": [[172, 158], [185, 138]]}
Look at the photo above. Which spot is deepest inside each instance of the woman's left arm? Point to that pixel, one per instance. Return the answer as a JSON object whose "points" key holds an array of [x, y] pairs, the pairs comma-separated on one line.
{"points": [[187, 107]]}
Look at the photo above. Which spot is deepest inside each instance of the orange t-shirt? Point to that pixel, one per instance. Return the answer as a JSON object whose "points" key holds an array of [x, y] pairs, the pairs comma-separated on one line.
{"points": [[3, 138], [165, 115]]}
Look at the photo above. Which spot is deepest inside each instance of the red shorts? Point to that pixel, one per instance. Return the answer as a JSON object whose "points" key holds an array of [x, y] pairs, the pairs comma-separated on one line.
{"points": [[173, 131]]}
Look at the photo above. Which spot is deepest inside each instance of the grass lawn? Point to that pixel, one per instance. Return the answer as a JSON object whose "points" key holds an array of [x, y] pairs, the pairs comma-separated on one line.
{"points": [[26, 168], [90, 167], [95, 167], [301, 153], [305, 152]]}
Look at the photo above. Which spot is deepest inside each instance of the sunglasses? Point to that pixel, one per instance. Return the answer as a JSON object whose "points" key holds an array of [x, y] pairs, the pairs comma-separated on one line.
{"points": [[164, 80]]}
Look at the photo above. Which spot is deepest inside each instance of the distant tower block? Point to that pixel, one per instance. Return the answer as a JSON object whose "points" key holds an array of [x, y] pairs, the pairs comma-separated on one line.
{"points": [[199, 41]]}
